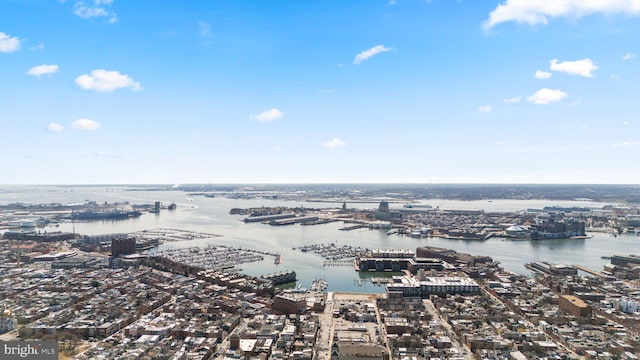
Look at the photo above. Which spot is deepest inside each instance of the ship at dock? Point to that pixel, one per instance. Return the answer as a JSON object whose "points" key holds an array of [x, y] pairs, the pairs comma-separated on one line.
{"points": [[417, 206], [104, 215]]}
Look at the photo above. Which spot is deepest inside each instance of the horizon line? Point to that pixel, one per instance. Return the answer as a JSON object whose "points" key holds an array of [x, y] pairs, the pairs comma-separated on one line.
{"points": [[178, 185]]}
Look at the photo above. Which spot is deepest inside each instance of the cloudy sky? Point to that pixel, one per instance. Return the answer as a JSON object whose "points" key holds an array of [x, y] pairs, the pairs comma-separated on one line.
{"points": [[439, 91]]}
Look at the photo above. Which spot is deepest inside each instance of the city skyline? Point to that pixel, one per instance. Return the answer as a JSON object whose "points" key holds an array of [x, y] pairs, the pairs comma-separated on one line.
{"points": [[440, 91]]}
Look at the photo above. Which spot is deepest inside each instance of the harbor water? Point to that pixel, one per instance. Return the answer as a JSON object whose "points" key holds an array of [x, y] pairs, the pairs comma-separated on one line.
{"points": [[211, 215]]}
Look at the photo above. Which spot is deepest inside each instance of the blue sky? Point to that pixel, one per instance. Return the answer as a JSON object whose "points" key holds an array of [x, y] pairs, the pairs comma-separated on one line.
{"points": [[440, 91]]}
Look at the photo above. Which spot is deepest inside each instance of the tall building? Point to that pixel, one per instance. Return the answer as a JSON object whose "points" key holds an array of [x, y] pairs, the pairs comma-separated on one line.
{"points": [[123, 246]]}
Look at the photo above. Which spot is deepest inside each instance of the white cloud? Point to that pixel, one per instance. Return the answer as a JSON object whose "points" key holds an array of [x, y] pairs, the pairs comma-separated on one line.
{"points": [[584, 67], [85, 124], [43, 70], [98, 9], [513, 100], [533, 12], [204, 28], [335, 143], [626, 143], [369, 53], [546, 96], [106, 81], [38, 47], [485, 109], [8, 44], [628, 56], [626, 122], [543, 75], [55, 127], [269, 115]]}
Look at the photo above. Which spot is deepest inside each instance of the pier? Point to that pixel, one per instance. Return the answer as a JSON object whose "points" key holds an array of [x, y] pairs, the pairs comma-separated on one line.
{"points": [[293, 220], [268, 217], [353, 227], [341, 262], [593, 272]]}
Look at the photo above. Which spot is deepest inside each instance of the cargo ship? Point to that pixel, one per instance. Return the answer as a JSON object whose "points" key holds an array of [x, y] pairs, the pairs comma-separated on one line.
{"points": [[104, 215]]}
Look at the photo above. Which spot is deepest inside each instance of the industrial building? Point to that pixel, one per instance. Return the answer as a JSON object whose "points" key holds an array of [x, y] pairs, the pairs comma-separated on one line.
{"points": [[574, 306]]}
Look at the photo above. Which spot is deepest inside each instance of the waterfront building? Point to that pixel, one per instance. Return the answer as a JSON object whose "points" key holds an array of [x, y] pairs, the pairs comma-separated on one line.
{"points": [[100, 239], [435, 252], [632, 220], [392, 253], [399, 264], [123, 246], [625, 259], [38, 236], [411, 287], [564, 228], [379, 224], [518, 231], [385, 214], [552, 269], [451, 256], [282, 277]]}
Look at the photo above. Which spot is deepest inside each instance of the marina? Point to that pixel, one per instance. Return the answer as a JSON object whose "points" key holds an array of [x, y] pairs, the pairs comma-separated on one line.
{"points": [[333, 253], [306, 249], [211, 257], [172, 235]]}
